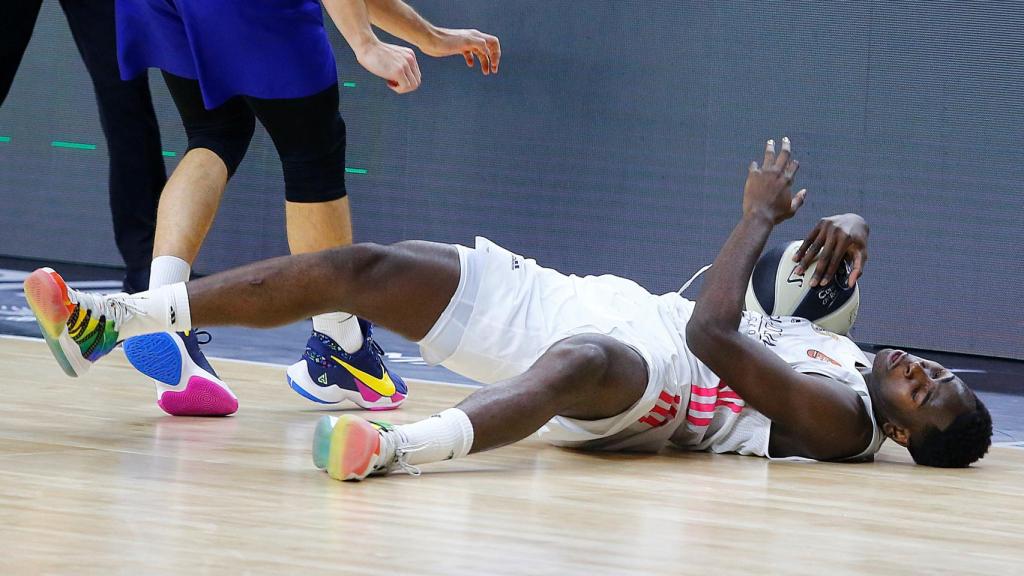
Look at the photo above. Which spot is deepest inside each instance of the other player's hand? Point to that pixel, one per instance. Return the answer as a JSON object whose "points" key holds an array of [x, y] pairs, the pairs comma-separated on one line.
{"points": [[768, 188], [472, 44], [396, 64], [832, 240]]}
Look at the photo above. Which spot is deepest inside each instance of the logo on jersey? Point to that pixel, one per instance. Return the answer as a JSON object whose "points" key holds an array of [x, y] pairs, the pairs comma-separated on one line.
{"points": [[819, 355], [766, 329], [516, 264]]}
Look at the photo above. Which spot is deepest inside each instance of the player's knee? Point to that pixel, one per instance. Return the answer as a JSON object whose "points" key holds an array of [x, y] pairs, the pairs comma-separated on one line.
{"points": [[227, 137], [585, 359], [314, 168], [363, 261]]}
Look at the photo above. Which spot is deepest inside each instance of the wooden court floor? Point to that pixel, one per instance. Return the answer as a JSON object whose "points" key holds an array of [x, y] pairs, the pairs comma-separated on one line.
{"points": [[94, 479]]}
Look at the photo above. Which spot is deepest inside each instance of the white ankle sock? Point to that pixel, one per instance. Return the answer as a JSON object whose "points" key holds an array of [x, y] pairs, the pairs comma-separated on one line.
{"points": [[167, 270], [165, 309], [342, 327], [443, 436]]}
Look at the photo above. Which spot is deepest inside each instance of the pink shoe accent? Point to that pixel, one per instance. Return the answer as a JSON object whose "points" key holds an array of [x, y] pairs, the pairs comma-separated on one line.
{"points": [[366, 392], [201, 397]]}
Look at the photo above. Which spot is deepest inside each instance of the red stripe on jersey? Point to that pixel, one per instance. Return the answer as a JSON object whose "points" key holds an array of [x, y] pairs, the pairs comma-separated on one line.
{"points": [[701, 406], [704, 391], [697, 421]]}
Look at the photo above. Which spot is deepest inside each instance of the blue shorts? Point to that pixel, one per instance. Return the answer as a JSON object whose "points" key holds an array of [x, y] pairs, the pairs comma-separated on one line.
{"points": [[260, 48]]}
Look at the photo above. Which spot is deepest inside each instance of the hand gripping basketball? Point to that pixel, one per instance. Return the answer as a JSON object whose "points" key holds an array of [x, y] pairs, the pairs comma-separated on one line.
{"points": [[831, 240]]}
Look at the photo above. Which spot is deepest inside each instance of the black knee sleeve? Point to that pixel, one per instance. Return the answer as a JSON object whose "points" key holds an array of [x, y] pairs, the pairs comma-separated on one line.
{"points": [[309, 135], [316, 171], [227, 137], [226, 130]]}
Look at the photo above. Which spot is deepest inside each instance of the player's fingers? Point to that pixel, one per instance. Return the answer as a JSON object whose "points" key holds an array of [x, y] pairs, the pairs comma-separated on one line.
{"points": [[824, 257], [783, 158], [406, 83], [798, 201], [806, 243], [791, 167], [414, 67], [753, 167], [469, 58], [485, 59], [838, 255], [494, 49], [769, 154], [860, 257], [812, 250]]}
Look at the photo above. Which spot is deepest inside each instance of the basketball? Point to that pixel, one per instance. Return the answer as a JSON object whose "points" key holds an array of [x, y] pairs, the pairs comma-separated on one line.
{"points": [[775, 290]]}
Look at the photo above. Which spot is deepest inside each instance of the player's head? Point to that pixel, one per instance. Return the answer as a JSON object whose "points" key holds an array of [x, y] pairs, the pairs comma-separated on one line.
{"points": [[928, 409]]}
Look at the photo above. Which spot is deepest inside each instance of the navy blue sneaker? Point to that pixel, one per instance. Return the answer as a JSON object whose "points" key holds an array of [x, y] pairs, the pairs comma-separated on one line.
{"points": [[329, 375], [186, 384]]}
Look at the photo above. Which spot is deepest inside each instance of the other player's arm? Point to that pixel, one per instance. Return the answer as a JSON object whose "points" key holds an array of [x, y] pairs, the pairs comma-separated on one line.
{"points": [[833, 239], [821, 418], [396, 64], [400, 19]]}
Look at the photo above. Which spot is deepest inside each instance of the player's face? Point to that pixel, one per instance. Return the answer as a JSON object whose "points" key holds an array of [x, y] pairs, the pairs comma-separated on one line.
{"points": [[918, 393]]}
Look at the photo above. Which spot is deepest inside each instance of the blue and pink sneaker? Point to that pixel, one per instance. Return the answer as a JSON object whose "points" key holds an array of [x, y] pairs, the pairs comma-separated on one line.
{"points": [[329, 375], [186, 384]]}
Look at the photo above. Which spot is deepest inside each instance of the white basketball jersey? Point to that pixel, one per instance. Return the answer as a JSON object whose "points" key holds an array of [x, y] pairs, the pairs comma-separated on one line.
{"points": [[717, 418]]}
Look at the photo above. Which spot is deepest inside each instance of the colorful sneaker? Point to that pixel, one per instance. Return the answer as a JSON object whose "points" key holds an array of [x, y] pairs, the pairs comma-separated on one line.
{"points": [[350, 448], [80, 328], [186, 384], [329, 375]]}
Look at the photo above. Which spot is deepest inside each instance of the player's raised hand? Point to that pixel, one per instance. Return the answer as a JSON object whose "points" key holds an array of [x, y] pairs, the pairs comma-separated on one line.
{"points": [[396, 64], [472, 44], [768, 188], [832, 240]]}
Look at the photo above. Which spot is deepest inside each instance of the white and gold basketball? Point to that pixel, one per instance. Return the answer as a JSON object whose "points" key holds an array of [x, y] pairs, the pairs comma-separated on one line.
{"points": [[775, 290]]}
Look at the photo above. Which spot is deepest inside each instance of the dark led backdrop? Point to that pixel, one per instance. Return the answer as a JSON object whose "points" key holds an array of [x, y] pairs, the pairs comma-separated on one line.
{"points": [[616, 140]]}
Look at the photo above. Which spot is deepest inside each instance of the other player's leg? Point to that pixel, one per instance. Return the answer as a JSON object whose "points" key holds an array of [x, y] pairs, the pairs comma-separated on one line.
{"points": [[341, 360], [186, 383]]}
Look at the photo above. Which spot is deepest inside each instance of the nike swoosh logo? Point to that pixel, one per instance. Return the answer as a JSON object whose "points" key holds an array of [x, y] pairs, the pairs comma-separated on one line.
{"points": [[383, 386]]}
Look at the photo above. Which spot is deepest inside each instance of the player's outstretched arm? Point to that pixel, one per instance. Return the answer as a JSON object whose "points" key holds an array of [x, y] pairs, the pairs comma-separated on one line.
{"points": [[395, 64], [399, 19], [816, 417], [833, 239]]}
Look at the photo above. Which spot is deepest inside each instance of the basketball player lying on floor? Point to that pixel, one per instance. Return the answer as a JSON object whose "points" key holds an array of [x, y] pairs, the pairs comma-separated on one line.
{"points": [[594, 362]]}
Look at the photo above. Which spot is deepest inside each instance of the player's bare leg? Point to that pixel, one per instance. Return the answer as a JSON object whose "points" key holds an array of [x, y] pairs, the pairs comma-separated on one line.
{"points": [[586, 377]]}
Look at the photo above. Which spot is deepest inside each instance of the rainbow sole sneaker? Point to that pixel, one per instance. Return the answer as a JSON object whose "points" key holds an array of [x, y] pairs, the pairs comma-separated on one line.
{"points": [[329, 375], [186, 384], [349, 447], [77, 335]]}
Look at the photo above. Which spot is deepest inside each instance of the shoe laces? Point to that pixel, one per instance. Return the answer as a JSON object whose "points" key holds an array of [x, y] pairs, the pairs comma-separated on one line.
{"points": [[115, 308], [376, 347], [389, 440]]}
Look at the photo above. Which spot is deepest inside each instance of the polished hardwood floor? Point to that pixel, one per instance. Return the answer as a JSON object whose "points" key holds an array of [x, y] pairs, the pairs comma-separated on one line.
{"points": [[95, 479]]}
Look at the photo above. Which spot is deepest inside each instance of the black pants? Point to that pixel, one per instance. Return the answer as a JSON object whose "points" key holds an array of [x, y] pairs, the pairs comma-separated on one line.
{"points": [[308, 133], [129, 124]]}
